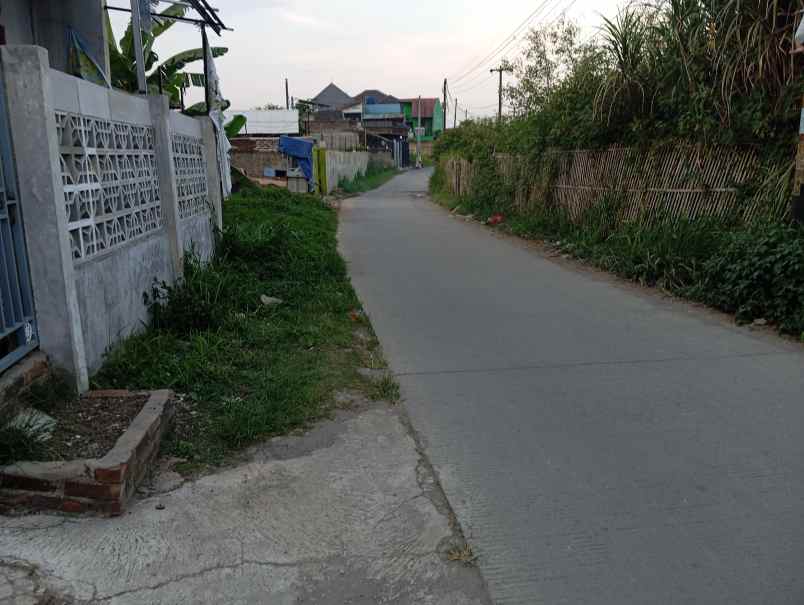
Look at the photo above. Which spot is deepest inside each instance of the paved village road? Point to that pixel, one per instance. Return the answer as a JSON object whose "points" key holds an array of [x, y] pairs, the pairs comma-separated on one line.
{"points": [[599, 444]]}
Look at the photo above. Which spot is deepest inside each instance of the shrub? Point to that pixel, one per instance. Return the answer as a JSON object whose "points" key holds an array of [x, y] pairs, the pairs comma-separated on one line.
{"points": [[758, 273]]}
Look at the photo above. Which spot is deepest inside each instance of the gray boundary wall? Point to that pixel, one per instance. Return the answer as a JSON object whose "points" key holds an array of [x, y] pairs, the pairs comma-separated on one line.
{"points": [[114, 189]]}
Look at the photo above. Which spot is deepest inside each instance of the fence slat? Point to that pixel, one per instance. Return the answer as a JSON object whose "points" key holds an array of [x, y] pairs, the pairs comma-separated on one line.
{"points": [[683, 181]]}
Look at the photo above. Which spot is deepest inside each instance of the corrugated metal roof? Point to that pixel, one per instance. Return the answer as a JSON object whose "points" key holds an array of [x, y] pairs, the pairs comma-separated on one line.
{"points": [[428, 106], [272, 121]]}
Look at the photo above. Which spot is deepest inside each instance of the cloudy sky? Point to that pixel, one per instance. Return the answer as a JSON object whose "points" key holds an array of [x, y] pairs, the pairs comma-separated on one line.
{"points": [[402, 48]]}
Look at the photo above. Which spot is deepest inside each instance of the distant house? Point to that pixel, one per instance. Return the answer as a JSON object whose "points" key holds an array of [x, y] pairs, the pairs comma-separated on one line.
{"points": [[373, 97], [432, 116], [331, 98], [371, 112], [384, 119]]}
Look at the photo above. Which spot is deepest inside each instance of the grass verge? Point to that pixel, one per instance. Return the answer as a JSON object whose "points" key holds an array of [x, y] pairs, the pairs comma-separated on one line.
{"points": [[249, 366], [755, 272], [375, 176]]}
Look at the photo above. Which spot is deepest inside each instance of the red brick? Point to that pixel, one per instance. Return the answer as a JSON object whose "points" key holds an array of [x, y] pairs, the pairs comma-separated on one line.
{"points": [[73, 506], [31, 484], [115, 509], [95, 491], [8, 500], [114, 474]]}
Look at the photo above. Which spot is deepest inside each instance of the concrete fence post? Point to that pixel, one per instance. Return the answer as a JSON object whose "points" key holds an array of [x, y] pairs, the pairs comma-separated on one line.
{"points": [[168, 194], [213, 169], [26, 77]]}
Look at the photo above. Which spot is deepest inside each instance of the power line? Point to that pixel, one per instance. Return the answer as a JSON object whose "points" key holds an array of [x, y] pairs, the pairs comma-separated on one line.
{"points": [[484, 107], [474, 83], [502, 45], [561, 13], [512, 38]]}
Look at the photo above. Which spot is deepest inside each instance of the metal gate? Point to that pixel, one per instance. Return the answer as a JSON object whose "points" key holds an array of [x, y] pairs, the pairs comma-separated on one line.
{"points": [[18, 333]]}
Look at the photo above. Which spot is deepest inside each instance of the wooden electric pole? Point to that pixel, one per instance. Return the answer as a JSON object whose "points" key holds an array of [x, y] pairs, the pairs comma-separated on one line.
{"points": [[444, 109], [287, 95], [419, 133], [455, 116], [500, 69]]}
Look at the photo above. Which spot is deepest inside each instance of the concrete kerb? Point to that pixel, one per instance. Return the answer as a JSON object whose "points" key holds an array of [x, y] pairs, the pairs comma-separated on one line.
{"points": [[103, 485]]}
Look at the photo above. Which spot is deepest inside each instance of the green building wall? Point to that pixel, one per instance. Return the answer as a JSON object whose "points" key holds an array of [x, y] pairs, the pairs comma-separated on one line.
{"points": [[432, 126]]}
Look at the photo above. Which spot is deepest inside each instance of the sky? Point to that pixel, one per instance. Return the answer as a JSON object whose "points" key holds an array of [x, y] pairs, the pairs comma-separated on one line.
{"points": [[405, 48]]}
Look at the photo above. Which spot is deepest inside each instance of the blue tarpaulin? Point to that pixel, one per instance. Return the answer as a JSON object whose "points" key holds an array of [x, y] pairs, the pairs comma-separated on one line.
{"points": [[301, 150]]}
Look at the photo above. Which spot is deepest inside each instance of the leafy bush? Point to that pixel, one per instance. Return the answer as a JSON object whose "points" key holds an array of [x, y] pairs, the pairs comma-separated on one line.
{"points": [[701, 71], [758, 273]]}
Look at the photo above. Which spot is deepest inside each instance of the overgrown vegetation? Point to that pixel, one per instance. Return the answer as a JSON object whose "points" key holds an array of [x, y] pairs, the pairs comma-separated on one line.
{"points": [[376, 175], [251, 366], [700, 72], [25, 435], [22, 439]]}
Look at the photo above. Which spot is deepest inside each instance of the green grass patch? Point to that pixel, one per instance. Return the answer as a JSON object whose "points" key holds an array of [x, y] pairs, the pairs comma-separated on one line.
{"points": [[385, 389], [250, 370], [375, 176]]}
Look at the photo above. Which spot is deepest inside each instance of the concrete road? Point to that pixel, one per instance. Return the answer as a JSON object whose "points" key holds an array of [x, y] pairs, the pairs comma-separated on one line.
{"points": [[598, 443], [347, 514]]}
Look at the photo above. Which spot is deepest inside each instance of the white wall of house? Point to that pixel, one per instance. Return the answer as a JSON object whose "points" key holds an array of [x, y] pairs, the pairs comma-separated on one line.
{"points": [[268, 122]]}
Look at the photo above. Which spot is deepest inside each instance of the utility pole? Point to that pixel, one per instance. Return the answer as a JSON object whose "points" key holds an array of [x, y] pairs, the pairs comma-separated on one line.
{"points": [[287, 95], [500, 69], [419, 134], [445, 104], [455, 116]]}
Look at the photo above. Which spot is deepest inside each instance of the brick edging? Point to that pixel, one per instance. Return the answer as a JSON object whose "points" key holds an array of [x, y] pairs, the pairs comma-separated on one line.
{"points": [[103, 485]]}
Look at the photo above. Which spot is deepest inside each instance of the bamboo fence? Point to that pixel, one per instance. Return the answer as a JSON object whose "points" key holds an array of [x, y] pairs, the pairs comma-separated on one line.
{"points": [[682, 181]]}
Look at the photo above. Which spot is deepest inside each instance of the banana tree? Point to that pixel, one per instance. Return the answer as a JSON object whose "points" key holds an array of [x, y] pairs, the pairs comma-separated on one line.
{"points": [[173, 78], [234, 126]]}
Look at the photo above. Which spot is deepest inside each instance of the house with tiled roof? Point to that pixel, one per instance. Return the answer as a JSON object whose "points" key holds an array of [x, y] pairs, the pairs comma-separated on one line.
{"points": [[332, 98], [432, 115]]}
